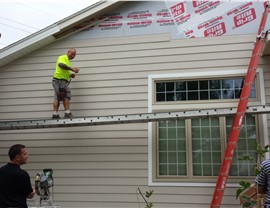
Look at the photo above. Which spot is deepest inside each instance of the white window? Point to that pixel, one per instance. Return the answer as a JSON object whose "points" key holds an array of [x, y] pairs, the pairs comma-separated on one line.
{"points": [[193, 149]]}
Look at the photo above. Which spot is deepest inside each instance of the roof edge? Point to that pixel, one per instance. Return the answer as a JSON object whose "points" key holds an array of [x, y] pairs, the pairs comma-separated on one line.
{"points": [[35, 37], [47, 35]]}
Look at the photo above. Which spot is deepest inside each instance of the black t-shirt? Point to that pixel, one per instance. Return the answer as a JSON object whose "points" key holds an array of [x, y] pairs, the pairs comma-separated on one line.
{"points": [[15, 186]]}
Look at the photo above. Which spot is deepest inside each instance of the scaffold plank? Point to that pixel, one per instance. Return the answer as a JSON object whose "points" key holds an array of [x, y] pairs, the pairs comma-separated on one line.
{"points": [[122, 119]]}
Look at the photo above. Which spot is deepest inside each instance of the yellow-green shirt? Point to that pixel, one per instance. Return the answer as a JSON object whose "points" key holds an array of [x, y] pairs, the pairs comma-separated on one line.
{"points": [[59, 72]]}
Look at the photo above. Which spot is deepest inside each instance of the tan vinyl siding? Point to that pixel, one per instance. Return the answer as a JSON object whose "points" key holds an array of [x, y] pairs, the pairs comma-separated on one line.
{"points": [[102, 166]]}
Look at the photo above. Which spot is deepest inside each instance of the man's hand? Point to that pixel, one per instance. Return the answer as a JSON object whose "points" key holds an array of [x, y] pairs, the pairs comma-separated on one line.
{"points": [[72, 75], [76, 70], [32, 194]]}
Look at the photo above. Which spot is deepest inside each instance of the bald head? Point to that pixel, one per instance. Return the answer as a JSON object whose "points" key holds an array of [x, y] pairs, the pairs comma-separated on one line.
{"points": [[71, 53]]}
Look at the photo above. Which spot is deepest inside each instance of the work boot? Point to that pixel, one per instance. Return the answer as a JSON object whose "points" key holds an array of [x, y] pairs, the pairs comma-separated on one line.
{"points": [[55, 116], [68, 115]]}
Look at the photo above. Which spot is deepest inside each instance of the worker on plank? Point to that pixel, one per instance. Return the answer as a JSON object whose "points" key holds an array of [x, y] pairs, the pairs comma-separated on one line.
{"points": [[62, 75]]}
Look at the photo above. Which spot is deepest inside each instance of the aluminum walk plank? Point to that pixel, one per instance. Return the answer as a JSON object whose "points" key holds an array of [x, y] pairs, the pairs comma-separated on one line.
{"points": [[122, 119]]}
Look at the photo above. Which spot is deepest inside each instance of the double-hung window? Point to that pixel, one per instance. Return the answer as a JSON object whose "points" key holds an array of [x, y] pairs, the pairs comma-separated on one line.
{"points": [[193, 149]]}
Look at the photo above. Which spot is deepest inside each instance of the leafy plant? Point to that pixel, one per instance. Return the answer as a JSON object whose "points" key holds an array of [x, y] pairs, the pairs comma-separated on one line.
{"points": [[244, 185], [248, 201], [261, 151], [146, 198]]}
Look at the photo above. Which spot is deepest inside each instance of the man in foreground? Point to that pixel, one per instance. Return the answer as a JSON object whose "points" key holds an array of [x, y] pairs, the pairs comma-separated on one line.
{"points": [[15, 184]]}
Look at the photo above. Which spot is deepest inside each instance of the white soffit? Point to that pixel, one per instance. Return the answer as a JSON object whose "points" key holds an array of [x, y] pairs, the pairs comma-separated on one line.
{"points": [[27, 45]]}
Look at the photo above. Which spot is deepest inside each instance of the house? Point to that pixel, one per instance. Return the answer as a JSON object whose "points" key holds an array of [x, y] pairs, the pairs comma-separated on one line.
{"points": [[138, 57]]}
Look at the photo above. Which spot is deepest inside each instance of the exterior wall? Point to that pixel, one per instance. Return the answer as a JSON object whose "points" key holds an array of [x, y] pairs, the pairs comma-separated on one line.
{"points": [[102, 166]]}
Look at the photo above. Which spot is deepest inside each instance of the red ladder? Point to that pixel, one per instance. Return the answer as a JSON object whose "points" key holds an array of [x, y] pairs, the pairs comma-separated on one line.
{"points": [[241, 110]]}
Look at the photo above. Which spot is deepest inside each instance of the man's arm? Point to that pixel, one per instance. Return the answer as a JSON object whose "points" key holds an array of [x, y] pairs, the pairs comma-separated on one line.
{"points": [[64, 66], [261, 189], [261, 179], [25, 186]]}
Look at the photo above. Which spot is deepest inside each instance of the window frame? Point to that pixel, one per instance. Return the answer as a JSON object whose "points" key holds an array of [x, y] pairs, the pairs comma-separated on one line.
{"points": [[199, 94], [174, 106], [189, 156]]}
